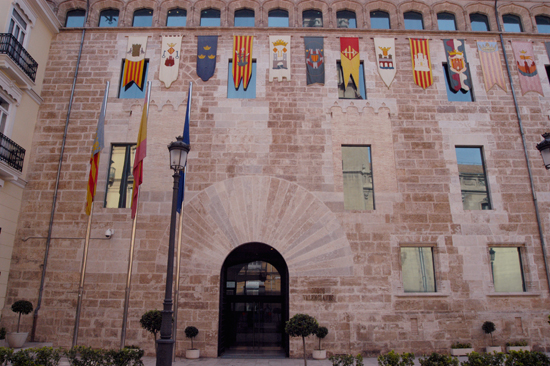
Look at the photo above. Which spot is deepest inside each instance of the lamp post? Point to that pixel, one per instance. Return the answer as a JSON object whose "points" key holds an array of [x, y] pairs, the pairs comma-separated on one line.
{"points": [[544, 148], [165, 345]]}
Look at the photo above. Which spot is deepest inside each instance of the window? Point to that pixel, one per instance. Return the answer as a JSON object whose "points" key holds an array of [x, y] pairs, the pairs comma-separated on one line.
{"points": [[277, 18], [241, 93], [18, 26], [446, 22], [312, 18], [512, 23], [143, 18], [346, 19], [351, 91], [473, 180], [118, 193], [244, 18], [75, 18], [357, 175], [132, 90], [379, 20], [4, 107], [479, 22], [176, 18], [413, 20], [543, 23], [506, 268], [210, 18], [108, 18], [417, 269], [460, 95]]}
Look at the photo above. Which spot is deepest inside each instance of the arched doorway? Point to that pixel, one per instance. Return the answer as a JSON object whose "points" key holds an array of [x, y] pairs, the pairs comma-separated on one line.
{"points": [[253, 303]]}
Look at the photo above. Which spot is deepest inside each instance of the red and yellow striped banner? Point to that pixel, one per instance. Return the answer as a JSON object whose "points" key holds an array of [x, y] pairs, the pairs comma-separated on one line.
{"points": [[141, 152], [133, 71], [242, 59], [92, 182], [421, 64]]}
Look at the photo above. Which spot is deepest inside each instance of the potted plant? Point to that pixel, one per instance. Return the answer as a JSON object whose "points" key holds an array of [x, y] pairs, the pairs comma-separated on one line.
{"points": [[461, 349], [17, 339], [191, 332], [489, 328], [301, 325], [151, 322], [517, 346], [320, 354]]}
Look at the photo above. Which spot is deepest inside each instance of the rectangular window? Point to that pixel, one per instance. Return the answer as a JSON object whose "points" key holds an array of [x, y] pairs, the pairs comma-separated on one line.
{"points": [[506, 268], [473, 179], [460, 95], [132, 90], [417, 269], [4, 107], [357, 174], [351, 91], [118, 193], [241, 93]]}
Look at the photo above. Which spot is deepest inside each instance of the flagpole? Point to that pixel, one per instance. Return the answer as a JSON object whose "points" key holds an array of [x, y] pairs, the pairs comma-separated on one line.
{"points": [[82, 276], [178, 263]]}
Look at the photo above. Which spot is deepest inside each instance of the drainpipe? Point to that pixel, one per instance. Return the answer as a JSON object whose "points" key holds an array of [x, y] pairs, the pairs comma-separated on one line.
{"points": [[56, 189], [518, 114]]}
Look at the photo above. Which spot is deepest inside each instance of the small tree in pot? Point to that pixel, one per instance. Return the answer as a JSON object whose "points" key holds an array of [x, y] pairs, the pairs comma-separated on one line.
{"points": [[301, 325], [151, 322], [16, 339], [191, 332], [489, 327], [320, 354]]}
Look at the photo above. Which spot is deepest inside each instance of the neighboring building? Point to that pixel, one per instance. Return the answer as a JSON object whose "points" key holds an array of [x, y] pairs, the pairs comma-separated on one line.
{"points": [[400, 217], [28, 27]]}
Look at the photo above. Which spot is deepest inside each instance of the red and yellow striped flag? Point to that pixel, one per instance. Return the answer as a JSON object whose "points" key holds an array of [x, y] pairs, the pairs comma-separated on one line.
{"points": [[242, 59], [141, 151], [422, 66], [133, 72], [96, 151]]}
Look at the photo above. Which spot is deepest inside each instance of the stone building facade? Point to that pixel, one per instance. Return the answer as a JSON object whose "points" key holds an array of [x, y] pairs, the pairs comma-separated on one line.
{"points": [[265, 191]]}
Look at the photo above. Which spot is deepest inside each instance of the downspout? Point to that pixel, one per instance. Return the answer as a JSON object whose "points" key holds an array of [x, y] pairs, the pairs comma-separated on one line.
{"points": [[518, 113], [56, 189]]}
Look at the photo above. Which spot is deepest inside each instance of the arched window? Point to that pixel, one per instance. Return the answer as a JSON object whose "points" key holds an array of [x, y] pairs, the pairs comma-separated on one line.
{"points": [[210, 18], [277, 18], [244, 18], [75, 18], [346, 19], [413, 20], [479, 22], [108, 18], [379, 20], [143, 18], [512, 23], [543, 23], [446, 22], [312, 18], [176, 17]]}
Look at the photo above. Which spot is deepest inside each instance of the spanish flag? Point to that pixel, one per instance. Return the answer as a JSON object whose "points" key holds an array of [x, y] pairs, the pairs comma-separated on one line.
{"points": [[349, 59], [242, 60]]}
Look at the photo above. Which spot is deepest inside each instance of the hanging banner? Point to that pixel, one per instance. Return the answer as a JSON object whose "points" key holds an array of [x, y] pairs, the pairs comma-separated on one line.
{"points": [[547, 45], [384, 48], [280, 57], [315, 60], [134, 66], [207, 47], [489, 58], [529, 79], [242, 60], [457, 64], [421, 64], [349, 59], [169, 59]]}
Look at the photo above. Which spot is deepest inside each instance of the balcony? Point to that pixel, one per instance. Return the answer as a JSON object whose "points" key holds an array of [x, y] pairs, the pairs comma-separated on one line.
{"points": [[11, 153], [10, 47]]}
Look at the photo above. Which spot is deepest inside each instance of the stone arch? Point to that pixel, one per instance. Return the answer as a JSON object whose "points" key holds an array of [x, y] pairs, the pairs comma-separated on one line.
{"points": [[539, 10], [67, 6], [244, 4], [134, 5], [347, 5], [173, 4], [313, 5], [280, 4], [484, 9], [266, 210], [395, 19], [420, 8], [521, 12], [209, 4], [452, 8], [97, 7]]}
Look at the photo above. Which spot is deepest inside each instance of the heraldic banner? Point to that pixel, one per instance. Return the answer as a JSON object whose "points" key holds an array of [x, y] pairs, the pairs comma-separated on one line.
{"points": [[529, 79], [384, 48], [242, 60], [421, 64], [490, 64], [457, 64], [315, 60], [207, 47], [169, 60], [349, 59], [134, 67], [280, 61]]}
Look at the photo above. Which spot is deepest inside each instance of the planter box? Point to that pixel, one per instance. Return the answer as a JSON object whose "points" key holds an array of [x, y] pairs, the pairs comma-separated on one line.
{"points": [[192, 353], [492, 349], [461, 351], [319, 354], [518, 348], [16, 340]]}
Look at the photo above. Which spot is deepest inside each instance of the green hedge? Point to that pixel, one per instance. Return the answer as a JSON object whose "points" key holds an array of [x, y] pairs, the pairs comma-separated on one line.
{"points": [[520, 358]]}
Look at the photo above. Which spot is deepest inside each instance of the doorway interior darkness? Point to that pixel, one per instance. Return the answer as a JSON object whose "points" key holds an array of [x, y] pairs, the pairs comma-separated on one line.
{"points": [[253, 303]]}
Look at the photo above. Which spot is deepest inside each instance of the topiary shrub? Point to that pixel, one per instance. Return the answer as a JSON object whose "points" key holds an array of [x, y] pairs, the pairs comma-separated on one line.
{"points": [[395, 359], [21, 307], [484, 359], [489, 328], [436, 359], [301, 325], [151, 322], [321, 333], [191, 332]]}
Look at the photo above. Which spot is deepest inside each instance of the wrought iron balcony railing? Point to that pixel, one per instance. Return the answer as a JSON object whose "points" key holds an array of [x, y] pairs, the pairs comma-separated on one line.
{"points": [[9, 45], [11, 153]]}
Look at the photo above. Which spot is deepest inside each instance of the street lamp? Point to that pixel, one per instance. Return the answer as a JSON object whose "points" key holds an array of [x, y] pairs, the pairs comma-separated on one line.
{"points": [[544, 148], [165, 345]]}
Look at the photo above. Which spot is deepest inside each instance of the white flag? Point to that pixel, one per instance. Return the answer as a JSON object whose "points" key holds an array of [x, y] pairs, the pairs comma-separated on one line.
{"points": [[384, 48], [135, 51], [280, 57], [169, 59]]}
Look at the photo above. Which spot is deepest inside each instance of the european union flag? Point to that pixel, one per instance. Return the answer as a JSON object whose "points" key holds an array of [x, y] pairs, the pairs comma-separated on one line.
{"points": [[207, 46]]}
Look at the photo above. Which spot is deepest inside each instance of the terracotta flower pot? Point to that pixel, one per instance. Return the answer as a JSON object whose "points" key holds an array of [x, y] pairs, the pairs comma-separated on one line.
{"points": [[16, 340], [192, 353], [319, 354]]}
